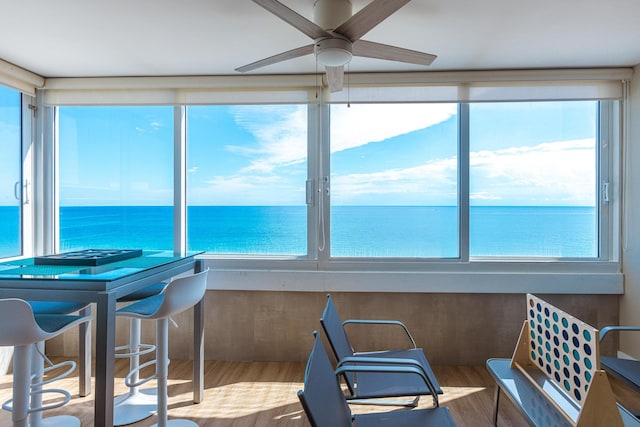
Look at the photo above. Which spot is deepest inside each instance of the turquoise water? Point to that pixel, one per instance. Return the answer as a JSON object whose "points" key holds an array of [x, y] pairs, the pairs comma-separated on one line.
{"points": [[378, 231]]}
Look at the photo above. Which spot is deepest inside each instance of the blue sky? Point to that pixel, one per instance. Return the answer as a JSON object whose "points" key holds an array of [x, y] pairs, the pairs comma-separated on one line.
{"points": [[529, 154]]}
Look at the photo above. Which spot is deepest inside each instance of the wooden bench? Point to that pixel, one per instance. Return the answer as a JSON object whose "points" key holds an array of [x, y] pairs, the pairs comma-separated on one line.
{"points": [[554, 376]]}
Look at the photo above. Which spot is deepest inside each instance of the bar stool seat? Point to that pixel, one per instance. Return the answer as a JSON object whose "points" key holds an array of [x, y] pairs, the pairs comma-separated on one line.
{"points": [[84, 337], [136, 404], [26, 330], [181, 294]]}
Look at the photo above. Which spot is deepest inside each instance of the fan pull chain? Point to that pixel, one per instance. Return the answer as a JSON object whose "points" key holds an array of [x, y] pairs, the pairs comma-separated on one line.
{"points": [[348, 86]]}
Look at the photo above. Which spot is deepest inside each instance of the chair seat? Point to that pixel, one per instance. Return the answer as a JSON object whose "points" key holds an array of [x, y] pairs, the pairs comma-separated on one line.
{"points": [[145, 292], [625, 369], [440, 417], [142, 308], [380, 384], [52, 323], [56, 307]]}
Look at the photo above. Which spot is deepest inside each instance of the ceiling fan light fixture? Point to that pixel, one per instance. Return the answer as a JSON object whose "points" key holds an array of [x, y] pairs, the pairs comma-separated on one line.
{"points": [[333, 52]]}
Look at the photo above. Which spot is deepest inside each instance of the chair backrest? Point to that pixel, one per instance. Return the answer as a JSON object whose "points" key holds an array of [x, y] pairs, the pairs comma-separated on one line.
{"points": [[182, 293], [337, 338], [322, 399], [19, 326]]}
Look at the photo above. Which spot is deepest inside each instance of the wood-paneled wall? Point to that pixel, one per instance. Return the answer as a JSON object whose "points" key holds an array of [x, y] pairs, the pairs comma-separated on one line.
{"points": [[453, 329]]}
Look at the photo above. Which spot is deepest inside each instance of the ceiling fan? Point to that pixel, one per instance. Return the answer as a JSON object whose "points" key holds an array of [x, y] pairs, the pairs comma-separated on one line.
{"points": [[336, 36]]}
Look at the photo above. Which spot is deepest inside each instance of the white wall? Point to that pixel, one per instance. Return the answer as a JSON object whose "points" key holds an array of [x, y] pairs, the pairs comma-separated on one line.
{"points": [[630, 302]]}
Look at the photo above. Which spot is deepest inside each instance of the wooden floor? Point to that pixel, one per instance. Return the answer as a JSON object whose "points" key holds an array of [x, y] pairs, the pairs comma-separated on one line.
{"points": [[264, 394]]}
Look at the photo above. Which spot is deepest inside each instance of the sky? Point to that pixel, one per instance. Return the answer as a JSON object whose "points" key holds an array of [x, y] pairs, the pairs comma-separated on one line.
{"points": [[384, 154]]}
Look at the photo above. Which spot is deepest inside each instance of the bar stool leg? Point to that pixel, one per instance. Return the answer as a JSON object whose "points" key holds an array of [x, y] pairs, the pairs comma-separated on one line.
{"points": [[35, 418], [137, 404], [162, 371], [21, 385]]}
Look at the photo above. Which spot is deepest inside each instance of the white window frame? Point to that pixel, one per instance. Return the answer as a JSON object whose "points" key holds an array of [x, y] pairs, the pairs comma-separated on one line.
{"points": [[319, 272]]}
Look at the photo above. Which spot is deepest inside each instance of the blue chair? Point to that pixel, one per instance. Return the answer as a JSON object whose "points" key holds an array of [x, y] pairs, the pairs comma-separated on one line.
{"points": [[382, 388], [326, 406], [25, 332], [626, 370], [181, 294]]}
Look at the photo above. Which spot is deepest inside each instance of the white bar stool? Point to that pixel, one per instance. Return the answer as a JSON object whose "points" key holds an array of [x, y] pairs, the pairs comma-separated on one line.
{"points": [[25, 331], [180, 295], [136, 404]]}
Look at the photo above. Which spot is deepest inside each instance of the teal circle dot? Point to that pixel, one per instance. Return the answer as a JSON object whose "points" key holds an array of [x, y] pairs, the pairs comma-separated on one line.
{"points": [[547, 346], [533, 355], [547, 323], [576, 355], [556, 329], [556, 364], [533, 334], [565, 322], [588, 364], [548, 357], [587, 335], [587, 376], [555, 316], [565, 359], [567, 385], [565, 347]]}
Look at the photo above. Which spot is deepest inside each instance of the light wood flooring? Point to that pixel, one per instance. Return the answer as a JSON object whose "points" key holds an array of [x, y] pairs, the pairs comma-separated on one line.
{"points": [[264, 394]]}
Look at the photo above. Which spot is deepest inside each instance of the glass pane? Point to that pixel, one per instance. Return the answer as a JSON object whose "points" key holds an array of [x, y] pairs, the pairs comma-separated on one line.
{"points": [[247, 168], [533, 179], [116, 177], [394, 185], [10, 173]]}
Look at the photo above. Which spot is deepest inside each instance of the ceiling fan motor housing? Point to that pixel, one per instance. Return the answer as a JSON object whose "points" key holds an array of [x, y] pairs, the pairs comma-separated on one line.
{"points": [[333, 52], [329, 14]]}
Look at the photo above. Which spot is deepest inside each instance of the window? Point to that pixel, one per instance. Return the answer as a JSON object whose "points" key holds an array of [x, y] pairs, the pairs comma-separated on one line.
{"points": [[115, 177], [532, 191], [247, 168], [10, 173], [394, 180], [533, 179]]}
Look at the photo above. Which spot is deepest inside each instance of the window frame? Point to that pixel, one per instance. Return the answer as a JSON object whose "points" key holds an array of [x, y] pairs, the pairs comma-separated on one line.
{"points": [[321, 272]]}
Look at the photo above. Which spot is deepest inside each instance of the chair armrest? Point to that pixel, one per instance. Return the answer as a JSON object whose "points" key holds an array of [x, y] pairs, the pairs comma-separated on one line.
{"points": [[382, 322], [410, 370], [604, 331], [354, 360]]}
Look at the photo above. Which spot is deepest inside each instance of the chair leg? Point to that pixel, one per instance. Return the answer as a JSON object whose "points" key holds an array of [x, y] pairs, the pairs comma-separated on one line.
{"points": [[21, 385], [137, 404], [36, 417], [162, 372]]}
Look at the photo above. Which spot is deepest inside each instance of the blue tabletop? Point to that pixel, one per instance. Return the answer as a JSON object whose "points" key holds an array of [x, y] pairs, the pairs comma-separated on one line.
{"points": [[26, 268]]}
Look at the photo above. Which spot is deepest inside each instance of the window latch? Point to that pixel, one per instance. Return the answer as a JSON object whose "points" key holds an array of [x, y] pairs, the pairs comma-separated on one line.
{"points": [[605, 192]]}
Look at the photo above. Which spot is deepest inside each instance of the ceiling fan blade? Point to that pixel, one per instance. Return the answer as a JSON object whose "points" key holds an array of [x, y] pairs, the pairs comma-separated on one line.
{"points": [[293, 18], [368, 17], [391, 53], [290, 54], [335, 78]]}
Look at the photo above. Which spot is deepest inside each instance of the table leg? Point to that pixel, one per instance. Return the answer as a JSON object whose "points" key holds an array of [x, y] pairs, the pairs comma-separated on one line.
{"points": [[496, 405], [84, 362], [105, 345], [198, 352], [198, 344]]}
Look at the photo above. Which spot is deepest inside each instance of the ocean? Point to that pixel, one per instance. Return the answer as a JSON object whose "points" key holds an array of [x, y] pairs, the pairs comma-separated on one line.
{"points": [[357, 231]]}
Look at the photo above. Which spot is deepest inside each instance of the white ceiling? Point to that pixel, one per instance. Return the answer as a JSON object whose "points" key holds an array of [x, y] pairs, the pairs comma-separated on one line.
{"points": [[81, 38]]}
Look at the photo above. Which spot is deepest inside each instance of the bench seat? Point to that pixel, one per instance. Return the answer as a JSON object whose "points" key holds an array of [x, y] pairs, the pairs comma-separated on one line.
{"points": [[537, 408]]}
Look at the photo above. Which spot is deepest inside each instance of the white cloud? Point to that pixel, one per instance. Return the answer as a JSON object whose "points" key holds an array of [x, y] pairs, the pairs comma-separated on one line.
{"points": [[283, 140], [562, 172], [363, 123], [555, 173]]}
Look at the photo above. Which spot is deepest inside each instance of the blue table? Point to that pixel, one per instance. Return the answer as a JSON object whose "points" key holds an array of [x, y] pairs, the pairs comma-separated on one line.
{"points": [[103, 285]]}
